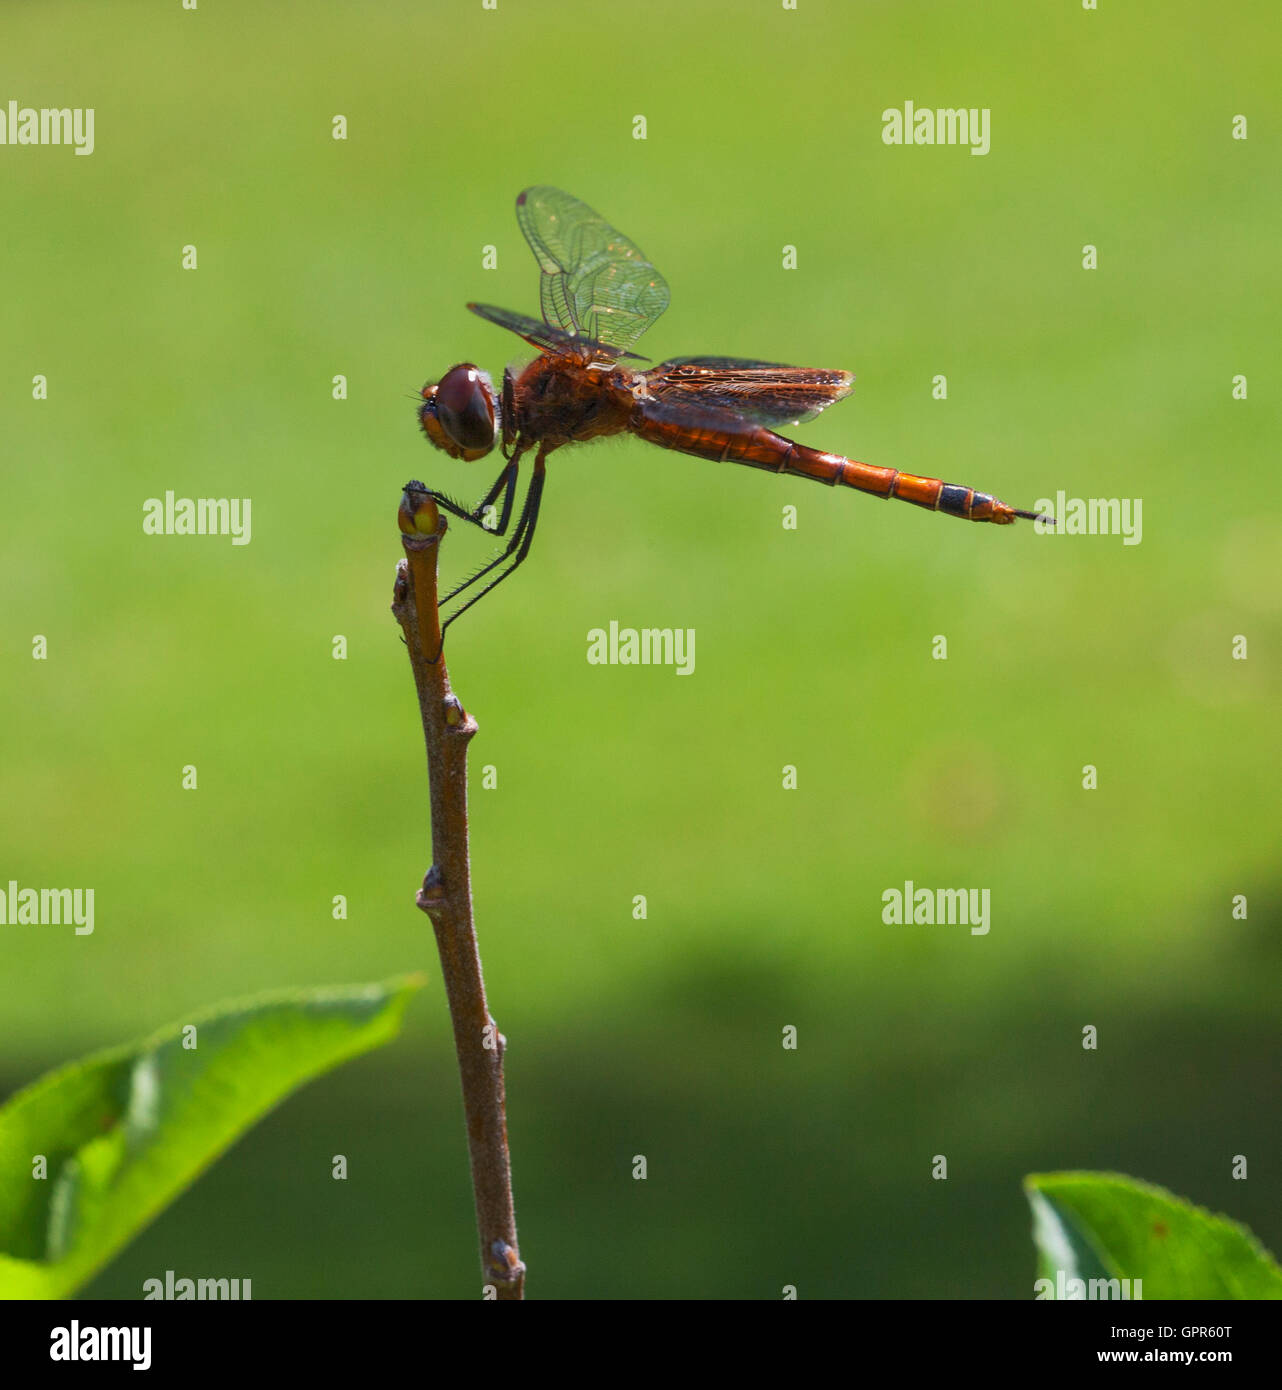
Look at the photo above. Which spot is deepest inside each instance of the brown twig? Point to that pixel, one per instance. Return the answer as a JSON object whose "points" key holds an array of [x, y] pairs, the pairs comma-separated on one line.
{"points": [[446, 896]]}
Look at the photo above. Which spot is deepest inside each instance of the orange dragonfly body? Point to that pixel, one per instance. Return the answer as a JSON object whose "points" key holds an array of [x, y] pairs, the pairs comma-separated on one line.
{"points": [[598, 294]]}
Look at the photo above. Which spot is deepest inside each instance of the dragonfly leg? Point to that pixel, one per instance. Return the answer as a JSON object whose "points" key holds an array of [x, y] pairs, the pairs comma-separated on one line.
{"points": [[515, 551], [505, 483]]}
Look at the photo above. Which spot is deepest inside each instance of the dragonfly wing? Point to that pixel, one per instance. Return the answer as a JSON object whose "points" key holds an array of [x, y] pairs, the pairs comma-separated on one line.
{"points": [[535, 331], [595, 282], [543, 335], [765, 393]]}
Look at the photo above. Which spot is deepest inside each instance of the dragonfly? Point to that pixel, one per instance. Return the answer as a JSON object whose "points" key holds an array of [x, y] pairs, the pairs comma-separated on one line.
{"points": [[597, 295]]}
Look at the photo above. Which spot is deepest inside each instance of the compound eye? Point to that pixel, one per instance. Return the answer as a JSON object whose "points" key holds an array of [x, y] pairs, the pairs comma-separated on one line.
{"points": [[465, 407]]}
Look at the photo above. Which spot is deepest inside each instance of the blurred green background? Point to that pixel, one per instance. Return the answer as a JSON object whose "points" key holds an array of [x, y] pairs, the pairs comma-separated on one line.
{"points": [[660, 1037]]}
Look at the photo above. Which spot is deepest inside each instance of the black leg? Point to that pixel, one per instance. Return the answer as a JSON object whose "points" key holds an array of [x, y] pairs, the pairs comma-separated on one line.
{"points": [[505, 483], [516, 550]]}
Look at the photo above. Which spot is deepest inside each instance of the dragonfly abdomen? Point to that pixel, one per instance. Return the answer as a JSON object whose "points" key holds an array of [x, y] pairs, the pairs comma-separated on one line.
{"points": [[935, 495], [954, 499], [712, 436]]}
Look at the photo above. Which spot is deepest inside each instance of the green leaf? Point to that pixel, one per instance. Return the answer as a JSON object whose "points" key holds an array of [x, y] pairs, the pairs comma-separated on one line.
{"points": [[1105, 1226], [124, 1132]]}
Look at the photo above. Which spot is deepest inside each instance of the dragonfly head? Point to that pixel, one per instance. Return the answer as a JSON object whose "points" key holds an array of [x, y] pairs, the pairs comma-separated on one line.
{"points": [[459, 413]]}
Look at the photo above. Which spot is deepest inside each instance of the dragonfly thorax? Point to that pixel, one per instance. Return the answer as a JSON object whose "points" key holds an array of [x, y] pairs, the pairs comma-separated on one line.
{"points": [[562, 399]]}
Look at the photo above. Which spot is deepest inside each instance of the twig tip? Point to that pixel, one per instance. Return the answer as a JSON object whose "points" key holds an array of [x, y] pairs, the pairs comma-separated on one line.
{"points": [[418, 514]]}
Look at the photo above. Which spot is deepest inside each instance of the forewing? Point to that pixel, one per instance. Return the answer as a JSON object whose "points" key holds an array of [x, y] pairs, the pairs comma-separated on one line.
{"points": [[534, 331], [766, 393], [595, 283], [544, 336]]}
